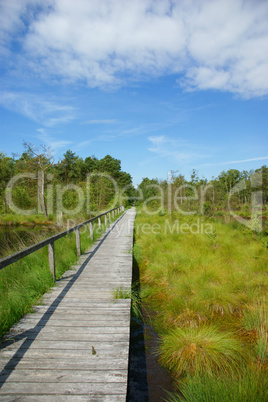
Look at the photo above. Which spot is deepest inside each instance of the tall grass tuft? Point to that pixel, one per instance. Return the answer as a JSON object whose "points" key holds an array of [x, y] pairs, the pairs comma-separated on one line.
{"points": [[255, 328], [250, 385], [200, 350]]}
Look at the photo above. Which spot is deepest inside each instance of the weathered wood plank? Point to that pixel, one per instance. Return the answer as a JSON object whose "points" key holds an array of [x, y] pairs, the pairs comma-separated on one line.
{"points": [[86, 322], [63, 360], [82, 310], [70, 330], [64, 398], [57, 388], [64, 349], [62, 376], [77, 337]]}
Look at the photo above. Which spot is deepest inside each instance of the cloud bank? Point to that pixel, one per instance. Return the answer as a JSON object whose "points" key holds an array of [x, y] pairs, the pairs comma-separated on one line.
{"points": [[209, 44]]}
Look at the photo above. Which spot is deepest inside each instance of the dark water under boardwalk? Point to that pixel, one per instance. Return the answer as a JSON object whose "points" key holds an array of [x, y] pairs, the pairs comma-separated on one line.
{"points": [[148, 381]]}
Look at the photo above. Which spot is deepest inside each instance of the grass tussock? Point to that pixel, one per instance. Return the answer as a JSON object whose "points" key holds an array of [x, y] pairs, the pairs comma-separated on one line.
{"points": [[250, 385], [200, 350], [206, 281]]}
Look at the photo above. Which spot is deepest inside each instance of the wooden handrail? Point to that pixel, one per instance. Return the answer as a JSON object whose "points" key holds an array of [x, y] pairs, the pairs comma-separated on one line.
{"points": [[4, 262]]}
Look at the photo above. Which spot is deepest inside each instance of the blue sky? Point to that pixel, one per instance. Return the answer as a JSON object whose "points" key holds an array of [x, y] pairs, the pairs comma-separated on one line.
{"points": [[161, 85]]}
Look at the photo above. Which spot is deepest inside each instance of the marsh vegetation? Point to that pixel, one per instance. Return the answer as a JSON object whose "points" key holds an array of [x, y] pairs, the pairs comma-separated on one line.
{"points": [[208, 293]]}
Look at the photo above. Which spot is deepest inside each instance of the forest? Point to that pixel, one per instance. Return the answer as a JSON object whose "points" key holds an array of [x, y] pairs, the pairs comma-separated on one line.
{"points": [[239, 194], [33, 184]]}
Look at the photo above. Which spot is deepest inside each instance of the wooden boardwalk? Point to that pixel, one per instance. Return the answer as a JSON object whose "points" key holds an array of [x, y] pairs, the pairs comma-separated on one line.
{"points": [[75, 346]]}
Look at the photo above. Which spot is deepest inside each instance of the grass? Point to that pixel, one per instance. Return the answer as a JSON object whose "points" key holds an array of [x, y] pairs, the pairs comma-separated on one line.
{"points": [[15, 220], [250, 385], [200, 350], [23, 283], [206, 282], [132, 294]]}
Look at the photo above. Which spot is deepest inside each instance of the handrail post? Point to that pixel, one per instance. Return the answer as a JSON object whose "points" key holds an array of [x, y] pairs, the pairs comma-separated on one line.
{"points": [[105, 219], [78, 244], [99, 223], [91, 230], [109, 217], [51, 259]]}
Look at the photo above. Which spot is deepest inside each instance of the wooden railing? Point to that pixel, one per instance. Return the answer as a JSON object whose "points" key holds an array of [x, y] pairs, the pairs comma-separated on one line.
{"points": [[4, 262]]}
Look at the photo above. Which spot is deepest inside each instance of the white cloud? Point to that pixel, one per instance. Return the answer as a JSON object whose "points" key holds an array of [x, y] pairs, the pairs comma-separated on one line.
{"points": [[37, 108], [212, 44]]}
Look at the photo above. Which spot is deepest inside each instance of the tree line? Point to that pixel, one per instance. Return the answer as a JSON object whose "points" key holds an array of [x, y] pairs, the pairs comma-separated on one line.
{"points": [[232, 189], [46, 185], [34, 181]]}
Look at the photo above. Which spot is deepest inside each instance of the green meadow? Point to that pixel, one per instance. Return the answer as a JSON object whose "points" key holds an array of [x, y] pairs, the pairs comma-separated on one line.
{"points": [[204, 284]]}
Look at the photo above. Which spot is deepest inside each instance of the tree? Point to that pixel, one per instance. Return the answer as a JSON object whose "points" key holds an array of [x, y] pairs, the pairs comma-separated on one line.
{"points": [[38, 159], [90, 164], [110, 165], [67, 167], [6, 172]]}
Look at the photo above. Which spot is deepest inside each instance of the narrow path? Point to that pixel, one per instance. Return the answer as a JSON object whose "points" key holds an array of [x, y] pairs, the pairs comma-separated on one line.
{"points": [[75, 346]]}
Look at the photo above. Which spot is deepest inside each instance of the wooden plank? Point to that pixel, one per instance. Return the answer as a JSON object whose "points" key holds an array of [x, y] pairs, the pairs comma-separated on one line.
{"points": [[106, 362], [61, 322], [68, 349], [64, 375], [114, 353], [57, 388], [82, 310], [65, 398], [77, 336]]}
